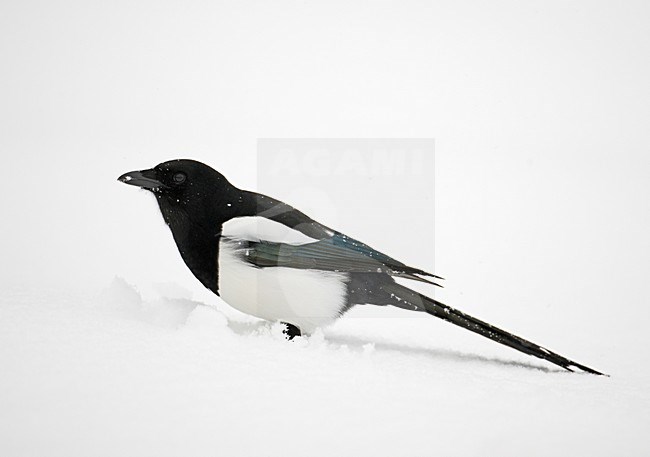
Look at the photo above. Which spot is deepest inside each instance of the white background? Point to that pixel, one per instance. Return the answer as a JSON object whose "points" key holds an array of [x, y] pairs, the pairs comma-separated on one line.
{"points": [[540, 111]]}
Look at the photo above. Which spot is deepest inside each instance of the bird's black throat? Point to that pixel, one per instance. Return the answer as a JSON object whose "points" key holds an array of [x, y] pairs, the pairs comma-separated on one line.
{"points": [[197, 240]]}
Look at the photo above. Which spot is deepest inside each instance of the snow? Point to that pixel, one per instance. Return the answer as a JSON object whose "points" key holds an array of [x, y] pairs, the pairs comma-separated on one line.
{"points": [[106, 372]]}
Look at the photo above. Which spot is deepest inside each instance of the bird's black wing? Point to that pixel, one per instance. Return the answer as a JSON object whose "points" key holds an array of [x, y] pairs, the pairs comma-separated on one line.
{"points": [[324, 255], [334, 247], [343, 241]]}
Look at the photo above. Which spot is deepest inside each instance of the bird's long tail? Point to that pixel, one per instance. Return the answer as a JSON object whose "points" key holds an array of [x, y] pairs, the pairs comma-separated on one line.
{"points": [[409, 299]]}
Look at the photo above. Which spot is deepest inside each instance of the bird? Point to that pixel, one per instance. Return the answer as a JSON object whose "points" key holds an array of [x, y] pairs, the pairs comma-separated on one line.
{"points": [[268, 259]]}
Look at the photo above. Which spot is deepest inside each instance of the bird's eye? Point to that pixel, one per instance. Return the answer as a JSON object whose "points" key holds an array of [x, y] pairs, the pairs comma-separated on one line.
{"points": [[179, 178]]}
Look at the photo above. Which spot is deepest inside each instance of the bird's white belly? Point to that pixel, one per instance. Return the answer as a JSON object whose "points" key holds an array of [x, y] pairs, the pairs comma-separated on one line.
{"points": [[305, 298]]}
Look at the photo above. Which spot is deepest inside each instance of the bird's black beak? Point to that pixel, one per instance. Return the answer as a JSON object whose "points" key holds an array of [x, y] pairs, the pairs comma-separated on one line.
{"points": [[145, 179]]}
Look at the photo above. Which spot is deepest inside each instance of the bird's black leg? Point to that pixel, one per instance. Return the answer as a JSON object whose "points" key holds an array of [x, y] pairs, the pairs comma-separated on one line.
{"points": [[291, 331]]}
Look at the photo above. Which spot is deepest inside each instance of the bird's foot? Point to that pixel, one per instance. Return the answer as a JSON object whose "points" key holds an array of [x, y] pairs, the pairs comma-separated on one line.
{"points": [[291, 331]]}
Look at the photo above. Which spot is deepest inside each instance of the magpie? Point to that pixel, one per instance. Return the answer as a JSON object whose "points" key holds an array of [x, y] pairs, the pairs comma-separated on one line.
{"points": [[268, 259]]}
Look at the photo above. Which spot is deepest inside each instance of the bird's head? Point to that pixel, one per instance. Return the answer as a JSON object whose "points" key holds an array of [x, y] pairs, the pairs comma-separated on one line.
{"points": [[184, 187]]}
